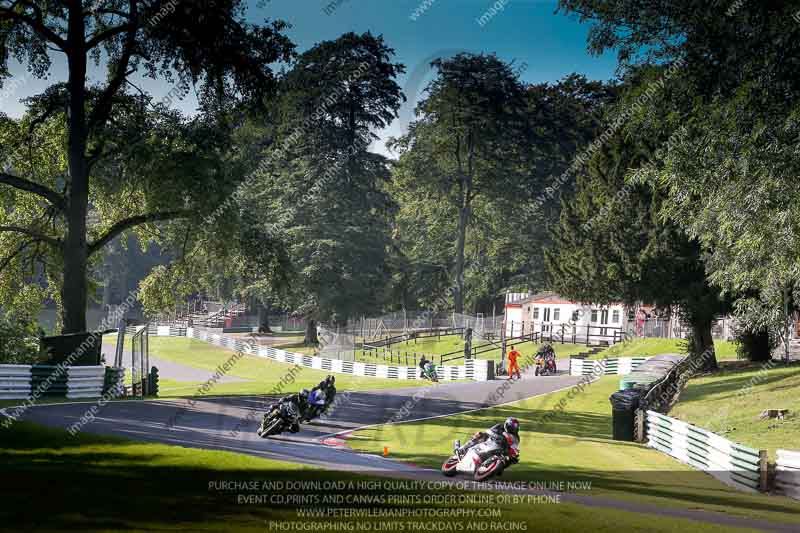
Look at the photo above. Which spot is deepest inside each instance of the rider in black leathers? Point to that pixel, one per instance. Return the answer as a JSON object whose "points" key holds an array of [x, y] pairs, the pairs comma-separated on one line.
{"points": [[328, 387], [423, 365], [300, 400], [422, 362]]}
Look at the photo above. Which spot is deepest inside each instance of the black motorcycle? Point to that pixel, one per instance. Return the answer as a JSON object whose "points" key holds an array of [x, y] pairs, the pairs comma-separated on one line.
{"points": [[280, 417]]}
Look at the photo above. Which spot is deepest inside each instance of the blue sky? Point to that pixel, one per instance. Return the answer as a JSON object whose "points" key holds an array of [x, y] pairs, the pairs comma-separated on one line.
{"points": [[547, 46]]}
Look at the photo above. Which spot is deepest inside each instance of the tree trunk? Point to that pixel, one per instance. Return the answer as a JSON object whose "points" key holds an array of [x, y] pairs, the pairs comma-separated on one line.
{"points": [[311, 338], [75, 250], [263, 317], [702, 345], [463, 222]]}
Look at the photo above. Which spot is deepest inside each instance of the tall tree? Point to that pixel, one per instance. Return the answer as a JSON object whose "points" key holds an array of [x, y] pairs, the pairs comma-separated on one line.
{"points": [[502, 248], [206, 40], [467, 141], [322, 191], [612, 245], [730, 172]]}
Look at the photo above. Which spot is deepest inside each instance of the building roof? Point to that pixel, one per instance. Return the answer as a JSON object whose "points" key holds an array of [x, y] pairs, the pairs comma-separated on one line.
{"points": [[547, 297], [551, 298], [518, 302]]}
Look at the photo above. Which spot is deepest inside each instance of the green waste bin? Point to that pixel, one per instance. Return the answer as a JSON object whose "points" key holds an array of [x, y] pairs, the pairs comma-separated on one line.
{"points": [[623, 410]]}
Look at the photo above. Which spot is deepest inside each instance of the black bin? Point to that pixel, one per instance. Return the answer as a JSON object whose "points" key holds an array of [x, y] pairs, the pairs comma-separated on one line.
{"points": [[74, 349], [623, 410]]}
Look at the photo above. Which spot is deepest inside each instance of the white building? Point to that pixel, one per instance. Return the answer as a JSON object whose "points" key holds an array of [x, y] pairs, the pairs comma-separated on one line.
{"points": [[552, 316]]}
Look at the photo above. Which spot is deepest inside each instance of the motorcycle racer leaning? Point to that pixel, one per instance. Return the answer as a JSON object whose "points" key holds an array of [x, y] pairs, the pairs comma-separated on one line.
{"points": [[320, 398], [497, 433], [300, 400], [328, 387]]}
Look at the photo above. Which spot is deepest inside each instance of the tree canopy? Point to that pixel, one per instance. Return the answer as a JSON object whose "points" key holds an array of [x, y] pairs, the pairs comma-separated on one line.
{"points": [[80, 190]]}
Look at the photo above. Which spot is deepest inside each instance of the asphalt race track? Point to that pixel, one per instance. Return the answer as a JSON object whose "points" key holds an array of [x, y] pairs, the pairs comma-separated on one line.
{"points": [[230, 422]]}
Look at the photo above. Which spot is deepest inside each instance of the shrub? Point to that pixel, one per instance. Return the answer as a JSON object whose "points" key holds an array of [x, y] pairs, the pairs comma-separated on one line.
{"points": [[754, 345], [19, 341]]}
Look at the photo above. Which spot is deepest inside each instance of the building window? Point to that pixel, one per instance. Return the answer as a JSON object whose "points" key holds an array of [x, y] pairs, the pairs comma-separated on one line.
{"points": [[556, 314], [594, 315], [615, 316], [536, 313]]}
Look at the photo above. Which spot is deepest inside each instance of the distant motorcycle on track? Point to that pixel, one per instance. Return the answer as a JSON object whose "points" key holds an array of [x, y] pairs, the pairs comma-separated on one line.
{"points": [[545, 362], [429, 372]]}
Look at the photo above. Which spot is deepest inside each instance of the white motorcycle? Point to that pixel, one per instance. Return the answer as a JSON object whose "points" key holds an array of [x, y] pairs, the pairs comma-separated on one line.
{"points": [[484, 460]]}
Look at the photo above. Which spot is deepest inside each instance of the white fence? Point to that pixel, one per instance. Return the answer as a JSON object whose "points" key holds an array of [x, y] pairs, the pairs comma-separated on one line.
{"points": [[620, 366], [735, 465], [474, 369], [19, 382], [787, 473]]}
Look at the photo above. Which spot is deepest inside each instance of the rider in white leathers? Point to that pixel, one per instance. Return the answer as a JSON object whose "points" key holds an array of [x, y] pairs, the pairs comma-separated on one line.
{"points": [[497, 433]]}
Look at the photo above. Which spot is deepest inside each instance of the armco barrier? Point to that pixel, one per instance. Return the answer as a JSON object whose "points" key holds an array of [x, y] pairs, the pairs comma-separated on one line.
{"points": [[735, 465], [19, 382], [787, 473], [15, 382], [619, 366], [474, 369], [114, 383]]}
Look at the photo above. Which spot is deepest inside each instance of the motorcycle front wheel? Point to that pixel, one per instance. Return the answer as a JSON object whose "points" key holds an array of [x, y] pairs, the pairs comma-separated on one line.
{"points": [[449, 466], [488, 468], [272, 429]]}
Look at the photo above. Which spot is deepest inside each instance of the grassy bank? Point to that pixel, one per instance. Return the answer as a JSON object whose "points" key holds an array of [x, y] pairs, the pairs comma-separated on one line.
{"points": [[576, 445], [52, 481], [729, 402], [725, 350], [436, 346], [262, 374]]}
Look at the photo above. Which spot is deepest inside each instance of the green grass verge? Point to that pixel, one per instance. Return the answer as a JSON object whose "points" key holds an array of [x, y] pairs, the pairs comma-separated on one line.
{"points": [[53, 481], [264, 374], [575, 445], [724, 350], [729, 402]]}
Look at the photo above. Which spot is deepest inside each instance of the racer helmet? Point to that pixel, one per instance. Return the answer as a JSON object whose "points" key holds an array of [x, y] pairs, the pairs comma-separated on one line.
{"points": [[511, 426]]}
